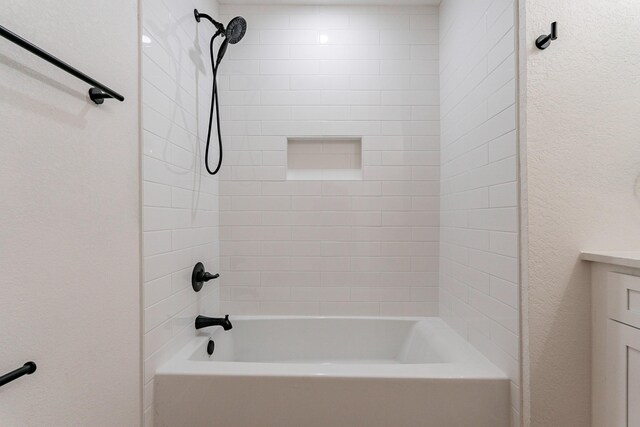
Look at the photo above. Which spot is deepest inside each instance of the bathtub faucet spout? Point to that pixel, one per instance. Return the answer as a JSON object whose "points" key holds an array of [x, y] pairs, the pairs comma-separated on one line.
{"points": [[204, 322]]}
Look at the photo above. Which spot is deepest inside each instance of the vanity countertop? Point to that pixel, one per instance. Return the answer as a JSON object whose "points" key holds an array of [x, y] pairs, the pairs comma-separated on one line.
{"points": [[625, 259]]}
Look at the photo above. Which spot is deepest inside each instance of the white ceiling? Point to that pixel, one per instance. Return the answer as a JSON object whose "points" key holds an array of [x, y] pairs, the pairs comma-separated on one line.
{"points": [[339, 2]]}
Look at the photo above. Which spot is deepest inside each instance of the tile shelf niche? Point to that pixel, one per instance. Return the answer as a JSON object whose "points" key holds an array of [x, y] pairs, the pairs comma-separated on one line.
{"points": [[324, 159]]}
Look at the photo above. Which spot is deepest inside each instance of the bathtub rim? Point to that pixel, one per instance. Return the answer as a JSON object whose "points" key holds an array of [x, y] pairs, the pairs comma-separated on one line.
{"points": [[471, 366]]}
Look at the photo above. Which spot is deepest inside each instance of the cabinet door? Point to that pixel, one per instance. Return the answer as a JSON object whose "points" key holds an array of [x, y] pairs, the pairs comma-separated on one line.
{"points": [[624, 298], [623, 375]]}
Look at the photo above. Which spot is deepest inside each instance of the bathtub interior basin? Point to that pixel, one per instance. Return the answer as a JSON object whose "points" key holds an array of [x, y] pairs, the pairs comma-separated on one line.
{"points": [[326, 341]]}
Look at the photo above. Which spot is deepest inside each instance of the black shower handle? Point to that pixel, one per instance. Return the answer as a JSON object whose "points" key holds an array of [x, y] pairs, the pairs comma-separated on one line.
{"points": [[208, 276], [200, 276]]}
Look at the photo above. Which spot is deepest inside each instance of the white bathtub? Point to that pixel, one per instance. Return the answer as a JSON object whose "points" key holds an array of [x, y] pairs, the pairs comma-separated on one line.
{"points": [[331, 372]]}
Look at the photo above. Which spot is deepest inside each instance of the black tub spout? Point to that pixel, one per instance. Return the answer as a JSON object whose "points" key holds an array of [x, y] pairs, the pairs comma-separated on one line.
{"points": [[205, 322]]}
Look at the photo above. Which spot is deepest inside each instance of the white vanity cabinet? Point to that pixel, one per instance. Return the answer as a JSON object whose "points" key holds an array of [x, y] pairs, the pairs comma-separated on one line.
{"points": [[615, 291]]}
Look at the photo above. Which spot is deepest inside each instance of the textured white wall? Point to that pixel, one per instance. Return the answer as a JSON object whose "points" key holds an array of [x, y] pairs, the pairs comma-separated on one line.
{"points": [[364, 247], [180, 200], [479, 214], [582, 174], [70, 217]]}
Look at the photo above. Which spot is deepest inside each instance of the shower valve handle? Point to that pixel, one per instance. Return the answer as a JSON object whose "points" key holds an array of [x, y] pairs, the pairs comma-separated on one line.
{"points": [[206, 276], [200, 276]]}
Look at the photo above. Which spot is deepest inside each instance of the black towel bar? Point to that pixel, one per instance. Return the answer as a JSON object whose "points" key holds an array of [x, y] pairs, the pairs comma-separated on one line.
{"points": [[98, 93], [27, 369]]}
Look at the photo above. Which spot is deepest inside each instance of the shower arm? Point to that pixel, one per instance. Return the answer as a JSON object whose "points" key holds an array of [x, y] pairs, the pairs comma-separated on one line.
{"points": [[218, 25]]}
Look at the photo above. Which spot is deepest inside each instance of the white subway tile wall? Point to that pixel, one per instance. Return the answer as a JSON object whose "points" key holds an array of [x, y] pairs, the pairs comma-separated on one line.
{"points": [[181, 214], [331, 247], [479, 201]]}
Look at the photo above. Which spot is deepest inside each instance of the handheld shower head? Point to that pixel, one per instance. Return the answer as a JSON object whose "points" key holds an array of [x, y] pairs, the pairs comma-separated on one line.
{"points": [[236, 28], [234, 32]]}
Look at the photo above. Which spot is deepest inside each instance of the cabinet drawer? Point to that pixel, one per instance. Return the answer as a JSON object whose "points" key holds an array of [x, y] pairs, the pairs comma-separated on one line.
{"points": [[624, 298]]}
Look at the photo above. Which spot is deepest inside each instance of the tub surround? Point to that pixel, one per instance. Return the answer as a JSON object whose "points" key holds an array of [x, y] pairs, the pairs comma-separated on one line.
{"points": [[364, 83], [479, 277], [180, 221]]}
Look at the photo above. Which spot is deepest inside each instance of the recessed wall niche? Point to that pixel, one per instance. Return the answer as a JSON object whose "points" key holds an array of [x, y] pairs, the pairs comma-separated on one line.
{"points": [[314, 159]]}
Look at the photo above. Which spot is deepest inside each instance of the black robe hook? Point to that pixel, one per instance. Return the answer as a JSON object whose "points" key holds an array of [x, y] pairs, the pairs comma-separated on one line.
{"points": [[544, 41]]}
